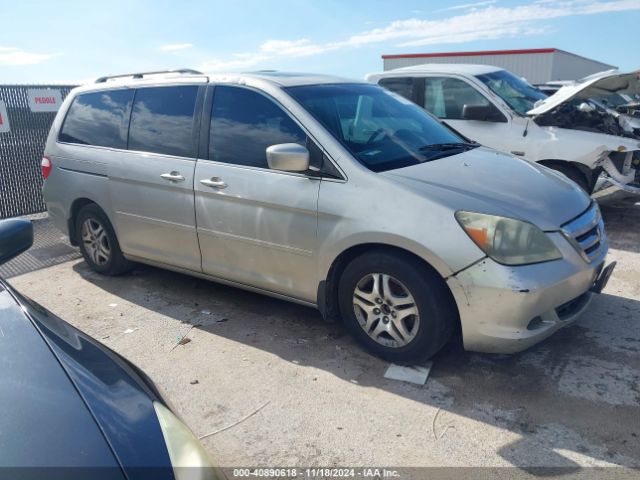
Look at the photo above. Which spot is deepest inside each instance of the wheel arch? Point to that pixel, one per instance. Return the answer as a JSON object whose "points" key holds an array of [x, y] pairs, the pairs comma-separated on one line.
{"points": [[75, 208], [589, 175], [328, 288]]}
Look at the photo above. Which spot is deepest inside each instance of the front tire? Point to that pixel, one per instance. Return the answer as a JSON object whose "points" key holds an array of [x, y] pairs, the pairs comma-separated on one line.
{"points": [[395, 307], [98, 242]]}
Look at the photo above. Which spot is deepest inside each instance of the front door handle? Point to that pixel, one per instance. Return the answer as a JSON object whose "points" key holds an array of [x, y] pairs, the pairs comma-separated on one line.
{"points": [[213, 182], [172, 177]]}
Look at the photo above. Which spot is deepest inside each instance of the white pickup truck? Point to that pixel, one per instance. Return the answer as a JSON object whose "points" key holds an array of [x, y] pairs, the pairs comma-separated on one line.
{"points": [[494, 107]]}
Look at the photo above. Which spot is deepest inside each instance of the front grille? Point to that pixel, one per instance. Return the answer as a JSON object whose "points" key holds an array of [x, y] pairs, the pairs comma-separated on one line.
{"points": [[586, 233]]}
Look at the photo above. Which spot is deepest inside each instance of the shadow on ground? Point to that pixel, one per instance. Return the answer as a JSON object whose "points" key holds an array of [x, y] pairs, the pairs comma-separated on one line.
{"points": [[577, 391], [622, 218]]}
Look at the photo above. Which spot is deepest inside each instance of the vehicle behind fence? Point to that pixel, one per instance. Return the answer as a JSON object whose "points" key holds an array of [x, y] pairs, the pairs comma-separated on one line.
{"points": [[26, 114]]}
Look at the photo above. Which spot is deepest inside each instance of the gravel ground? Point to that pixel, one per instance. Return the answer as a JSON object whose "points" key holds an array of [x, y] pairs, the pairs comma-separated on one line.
{"points": [[572, 401]]}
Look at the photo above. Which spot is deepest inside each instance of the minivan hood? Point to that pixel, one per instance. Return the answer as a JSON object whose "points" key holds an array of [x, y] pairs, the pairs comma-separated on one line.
{"points": [[487, 181], [610, 81]]}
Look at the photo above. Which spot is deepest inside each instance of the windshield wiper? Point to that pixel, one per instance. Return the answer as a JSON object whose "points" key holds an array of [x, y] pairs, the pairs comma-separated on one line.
{"points": [[441, 147], [441, 150]]}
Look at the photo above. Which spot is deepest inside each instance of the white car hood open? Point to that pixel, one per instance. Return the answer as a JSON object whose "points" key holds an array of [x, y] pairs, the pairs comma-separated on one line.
{"points": [[611, 81]]}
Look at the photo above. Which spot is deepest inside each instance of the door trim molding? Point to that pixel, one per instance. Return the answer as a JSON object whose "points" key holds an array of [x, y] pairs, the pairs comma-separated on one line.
{"points": [[157, 221], [254, 241]]}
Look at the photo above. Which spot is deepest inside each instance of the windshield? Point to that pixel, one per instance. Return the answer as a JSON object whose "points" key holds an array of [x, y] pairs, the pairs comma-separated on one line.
{"points": [[517, 93], [382, 130]]}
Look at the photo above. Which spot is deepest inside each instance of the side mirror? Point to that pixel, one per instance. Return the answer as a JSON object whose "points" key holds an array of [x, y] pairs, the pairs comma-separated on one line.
{"points": [[16, 236], [482, 113], [289, 157]]}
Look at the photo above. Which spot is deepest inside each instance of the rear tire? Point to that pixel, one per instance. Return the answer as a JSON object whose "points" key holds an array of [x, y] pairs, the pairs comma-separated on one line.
{"points": [[397, 309], [98, 242]]}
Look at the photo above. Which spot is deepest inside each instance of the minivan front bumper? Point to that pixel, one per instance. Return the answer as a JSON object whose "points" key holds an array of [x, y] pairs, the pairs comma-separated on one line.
{"points": [[507, 309]]}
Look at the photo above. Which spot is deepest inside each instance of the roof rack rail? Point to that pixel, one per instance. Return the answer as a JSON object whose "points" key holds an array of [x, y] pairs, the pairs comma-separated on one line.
{"points": [[184, 71]]}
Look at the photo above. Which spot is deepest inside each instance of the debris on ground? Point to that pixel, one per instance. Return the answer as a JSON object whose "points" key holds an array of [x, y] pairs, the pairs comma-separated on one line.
{"points": [[194, 382], [409, 373], [112, 305], [130, 330], [447, 426], [236, 423], [183, 339]]}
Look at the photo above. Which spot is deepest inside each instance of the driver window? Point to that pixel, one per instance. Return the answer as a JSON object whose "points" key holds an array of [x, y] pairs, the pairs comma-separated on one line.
{"points": [[446, 97], [244, 123]]}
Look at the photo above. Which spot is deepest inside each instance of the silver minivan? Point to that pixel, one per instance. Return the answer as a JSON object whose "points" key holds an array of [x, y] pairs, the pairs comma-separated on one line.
{"points": [[332, 193]]}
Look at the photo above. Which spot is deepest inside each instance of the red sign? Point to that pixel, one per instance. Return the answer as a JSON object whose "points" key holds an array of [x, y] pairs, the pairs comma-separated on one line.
{"points": [[44, 100]]}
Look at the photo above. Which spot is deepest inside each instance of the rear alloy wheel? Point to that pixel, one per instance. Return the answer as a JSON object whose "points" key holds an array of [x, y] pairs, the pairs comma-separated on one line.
{"points": [[98, 242], [399, 309]]}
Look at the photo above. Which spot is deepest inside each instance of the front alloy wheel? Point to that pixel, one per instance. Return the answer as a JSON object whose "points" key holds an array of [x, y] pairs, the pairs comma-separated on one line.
{"points": [[396, 306], [386, 310]]}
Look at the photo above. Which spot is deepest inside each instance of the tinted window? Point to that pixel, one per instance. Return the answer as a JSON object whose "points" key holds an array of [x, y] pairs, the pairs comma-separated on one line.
{"points": [[162, 120], [381, 129], [98, 118], [400, 85], [446, 97], [244, 123]]}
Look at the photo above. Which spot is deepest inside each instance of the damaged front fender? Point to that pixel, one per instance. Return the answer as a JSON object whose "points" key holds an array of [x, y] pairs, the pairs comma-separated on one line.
{"points": [[621, 170], [506, 309]]}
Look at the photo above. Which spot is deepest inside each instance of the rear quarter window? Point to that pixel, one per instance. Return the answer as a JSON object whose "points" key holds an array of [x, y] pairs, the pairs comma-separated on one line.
{"points": [[404, 86], [98, 118]]}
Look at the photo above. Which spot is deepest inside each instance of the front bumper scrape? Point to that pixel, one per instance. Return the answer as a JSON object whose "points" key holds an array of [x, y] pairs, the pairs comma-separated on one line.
{"points": [[507, 309]]}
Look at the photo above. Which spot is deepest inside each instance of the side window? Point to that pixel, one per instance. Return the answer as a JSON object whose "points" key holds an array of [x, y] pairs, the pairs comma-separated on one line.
{"points": [[446, 97], [98, 118], [162, 120], [401, 85], [244, 123]]}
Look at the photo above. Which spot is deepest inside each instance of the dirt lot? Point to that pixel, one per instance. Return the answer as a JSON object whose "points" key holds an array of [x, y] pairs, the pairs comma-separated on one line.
{"points": [[571, 401]]}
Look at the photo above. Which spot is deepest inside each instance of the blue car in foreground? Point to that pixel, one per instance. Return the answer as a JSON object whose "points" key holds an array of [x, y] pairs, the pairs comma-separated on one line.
{"points": [[72, 408]]}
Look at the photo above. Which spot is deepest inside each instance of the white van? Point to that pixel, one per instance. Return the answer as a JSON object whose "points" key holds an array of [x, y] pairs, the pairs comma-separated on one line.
{"points": [[500, 110]]}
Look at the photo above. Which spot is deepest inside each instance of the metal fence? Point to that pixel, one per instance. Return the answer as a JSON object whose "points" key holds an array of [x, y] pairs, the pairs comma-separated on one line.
{"points": [[23, 134]]}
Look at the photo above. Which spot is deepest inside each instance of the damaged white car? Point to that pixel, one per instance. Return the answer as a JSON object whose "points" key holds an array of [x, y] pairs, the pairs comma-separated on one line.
{"points": [[611, 94], [591, 145]]}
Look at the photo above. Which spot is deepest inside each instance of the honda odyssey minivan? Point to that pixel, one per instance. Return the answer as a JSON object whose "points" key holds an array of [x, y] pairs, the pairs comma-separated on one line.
{"points": [[332, 193]]}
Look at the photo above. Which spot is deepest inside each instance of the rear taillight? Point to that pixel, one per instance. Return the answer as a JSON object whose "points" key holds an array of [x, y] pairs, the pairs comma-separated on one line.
{"points": [[46, 167]]}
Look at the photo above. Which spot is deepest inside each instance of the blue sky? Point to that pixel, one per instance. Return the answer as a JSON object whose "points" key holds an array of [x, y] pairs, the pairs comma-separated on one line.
{"points": [[76, 41]]}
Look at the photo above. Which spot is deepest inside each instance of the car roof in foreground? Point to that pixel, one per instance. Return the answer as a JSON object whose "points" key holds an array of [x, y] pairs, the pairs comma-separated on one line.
{"points": [[114, 396], [45, 422]]}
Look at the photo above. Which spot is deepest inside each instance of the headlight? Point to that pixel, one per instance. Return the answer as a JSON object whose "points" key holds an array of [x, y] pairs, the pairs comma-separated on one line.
{"points": [[188, 458], [508, 241]]}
